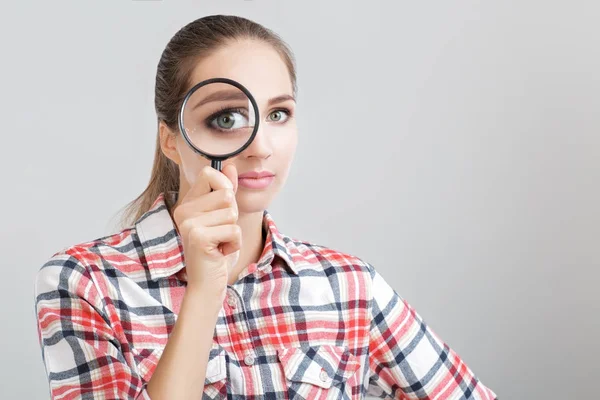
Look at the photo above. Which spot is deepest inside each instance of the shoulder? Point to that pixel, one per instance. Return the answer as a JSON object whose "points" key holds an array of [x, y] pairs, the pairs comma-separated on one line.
{"points": [[74, 266], [341, 275], [330, 259]]}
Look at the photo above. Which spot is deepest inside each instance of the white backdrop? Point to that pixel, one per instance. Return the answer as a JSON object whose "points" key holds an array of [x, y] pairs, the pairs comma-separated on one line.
{"points": [[454, 145]]}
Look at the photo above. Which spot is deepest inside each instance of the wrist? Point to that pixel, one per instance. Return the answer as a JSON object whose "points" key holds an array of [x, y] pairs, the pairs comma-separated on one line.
{"points": [[207, 297]]}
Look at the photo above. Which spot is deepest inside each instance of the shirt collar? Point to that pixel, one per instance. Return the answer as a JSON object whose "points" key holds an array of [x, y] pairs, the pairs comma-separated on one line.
{"points": [[162, 247]]}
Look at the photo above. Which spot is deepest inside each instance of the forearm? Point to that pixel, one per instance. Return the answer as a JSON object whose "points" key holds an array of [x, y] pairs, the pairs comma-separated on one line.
{"points": [[181, 370]]}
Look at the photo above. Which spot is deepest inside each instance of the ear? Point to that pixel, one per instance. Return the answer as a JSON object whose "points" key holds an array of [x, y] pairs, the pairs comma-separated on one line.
{"points": [[168, 143]]}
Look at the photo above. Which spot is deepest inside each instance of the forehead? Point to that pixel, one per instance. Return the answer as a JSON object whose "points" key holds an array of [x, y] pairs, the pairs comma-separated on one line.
{"points": [[254, 64]]}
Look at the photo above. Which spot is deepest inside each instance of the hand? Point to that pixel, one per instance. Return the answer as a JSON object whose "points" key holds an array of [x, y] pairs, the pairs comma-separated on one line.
{"points": [[207, 224]]}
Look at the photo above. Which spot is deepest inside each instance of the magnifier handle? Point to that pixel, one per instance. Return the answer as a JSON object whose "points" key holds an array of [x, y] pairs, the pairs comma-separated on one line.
{"points": [[216, 164]]}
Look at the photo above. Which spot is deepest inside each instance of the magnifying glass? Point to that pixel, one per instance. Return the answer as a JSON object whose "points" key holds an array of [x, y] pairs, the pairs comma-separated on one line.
{"points": [[218, 119]]}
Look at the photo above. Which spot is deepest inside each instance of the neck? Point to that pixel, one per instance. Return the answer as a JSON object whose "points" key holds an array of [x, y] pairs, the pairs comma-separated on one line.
{"points": [[252, 243]]}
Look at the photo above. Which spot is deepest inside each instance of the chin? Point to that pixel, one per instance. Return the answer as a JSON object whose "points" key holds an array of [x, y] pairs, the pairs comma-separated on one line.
{"points": [[253, 201]]}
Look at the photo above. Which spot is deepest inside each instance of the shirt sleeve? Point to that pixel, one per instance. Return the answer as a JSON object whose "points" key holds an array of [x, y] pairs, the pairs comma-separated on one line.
{"points": [[81, 356], [407, 359]]}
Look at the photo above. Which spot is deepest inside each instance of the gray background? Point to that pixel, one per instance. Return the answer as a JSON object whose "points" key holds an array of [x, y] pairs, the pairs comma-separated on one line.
{"points": [[454, 145]]}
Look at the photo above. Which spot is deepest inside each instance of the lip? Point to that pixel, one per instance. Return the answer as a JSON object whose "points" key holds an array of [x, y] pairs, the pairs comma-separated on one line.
{"points": [[256, 175], [256, 179]]}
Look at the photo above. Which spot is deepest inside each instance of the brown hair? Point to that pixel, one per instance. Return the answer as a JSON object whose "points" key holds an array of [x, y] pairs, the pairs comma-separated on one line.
{"points": [[195, 41]]}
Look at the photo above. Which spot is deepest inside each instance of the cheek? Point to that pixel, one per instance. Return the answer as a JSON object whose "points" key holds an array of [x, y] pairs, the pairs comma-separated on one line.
{"points": [[191, 163], [286, 148]]}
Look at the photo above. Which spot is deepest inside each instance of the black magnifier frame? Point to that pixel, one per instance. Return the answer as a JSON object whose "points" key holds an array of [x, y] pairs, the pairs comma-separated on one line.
{"points": [[215, 160]]}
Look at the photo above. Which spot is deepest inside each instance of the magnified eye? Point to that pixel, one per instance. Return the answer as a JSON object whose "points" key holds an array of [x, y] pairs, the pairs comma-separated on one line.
{"points": [[226, 121], [229, 120]]}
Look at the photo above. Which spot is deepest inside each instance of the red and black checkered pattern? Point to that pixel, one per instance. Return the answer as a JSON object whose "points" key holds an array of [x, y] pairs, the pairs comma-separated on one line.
{"points": [[304, 322]]}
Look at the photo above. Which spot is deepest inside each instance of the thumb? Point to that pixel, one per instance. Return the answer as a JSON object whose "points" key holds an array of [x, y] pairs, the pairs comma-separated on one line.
{"points": [[230, 171], [233, 258]]}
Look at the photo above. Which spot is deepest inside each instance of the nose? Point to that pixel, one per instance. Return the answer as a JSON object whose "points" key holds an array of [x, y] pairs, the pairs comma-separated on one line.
{"points": [[261, 147]]}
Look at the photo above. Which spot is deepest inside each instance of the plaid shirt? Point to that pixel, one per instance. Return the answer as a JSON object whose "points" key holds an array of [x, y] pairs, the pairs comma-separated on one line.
{"points": [[304, 322]]}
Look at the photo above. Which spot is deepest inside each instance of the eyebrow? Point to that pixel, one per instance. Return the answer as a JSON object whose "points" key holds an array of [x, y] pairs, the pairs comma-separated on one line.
{"points": [[281, 99], [226, 95]]}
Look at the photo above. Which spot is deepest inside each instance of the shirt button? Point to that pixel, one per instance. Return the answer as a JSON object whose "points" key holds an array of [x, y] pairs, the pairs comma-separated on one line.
{"points": [[323, 375], [231, 301], [249, 360]]}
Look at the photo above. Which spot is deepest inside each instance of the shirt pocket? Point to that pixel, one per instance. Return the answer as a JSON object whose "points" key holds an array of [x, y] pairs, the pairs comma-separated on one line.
{"points": [[319, 372], [215, 381], [146, 360]]}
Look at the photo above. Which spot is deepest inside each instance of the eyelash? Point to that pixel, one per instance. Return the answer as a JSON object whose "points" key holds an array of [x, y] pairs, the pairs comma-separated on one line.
{"points": [[285, 110], [220, 111], [242, 111]]}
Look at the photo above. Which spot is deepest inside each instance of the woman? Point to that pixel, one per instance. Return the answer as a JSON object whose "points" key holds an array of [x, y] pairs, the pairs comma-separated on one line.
{"points": [[128, 316]]}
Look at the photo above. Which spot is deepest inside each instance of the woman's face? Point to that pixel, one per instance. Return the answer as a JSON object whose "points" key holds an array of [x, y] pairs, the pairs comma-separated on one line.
{"points": [[258, 67]]}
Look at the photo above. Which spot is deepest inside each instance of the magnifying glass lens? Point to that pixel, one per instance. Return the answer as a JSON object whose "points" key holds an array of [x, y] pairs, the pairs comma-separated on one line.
{"points": [[218, 118]]}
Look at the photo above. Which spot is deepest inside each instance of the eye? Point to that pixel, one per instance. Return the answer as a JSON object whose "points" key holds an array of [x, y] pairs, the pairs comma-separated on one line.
{"points": [[228, 120], [279, 115]]}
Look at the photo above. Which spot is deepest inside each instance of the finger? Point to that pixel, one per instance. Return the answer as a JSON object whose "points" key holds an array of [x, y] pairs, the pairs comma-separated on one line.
{"points": [[230, 171], [192, 207], [199, 187], [210, 239], [223, 216], [208, 178], [231, 247]]}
